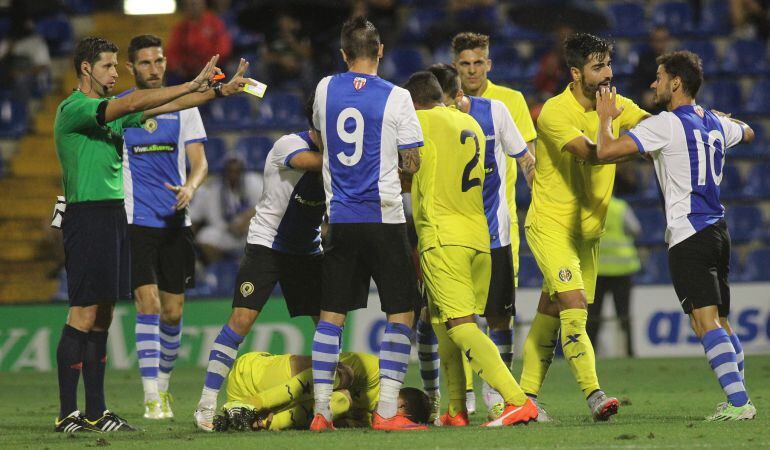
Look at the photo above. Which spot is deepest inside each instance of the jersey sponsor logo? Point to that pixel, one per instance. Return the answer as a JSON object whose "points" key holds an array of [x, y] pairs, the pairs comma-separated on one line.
{"points": [[565, 274], [247, 288], [359, 83], [490, 137], [153, 148], [150, 125], [168, 116], [312, 203]]}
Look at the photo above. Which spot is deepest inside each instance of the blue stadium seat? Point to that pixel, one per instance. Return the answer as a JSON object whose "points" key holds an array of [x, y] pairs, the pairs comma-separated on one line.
{"points": [[223, 272], [13, 118], [282, 110], [627, 20], [255, 150], [746, 57], [529, 273], [744, 223], [420, 21], [58, 34], [707, 52], [759, 99], [724, 95], [5, 26], [230, 113], [80, 6], [215, 149], [757, 266], [677, 16], [715, 18], [757, 148], [399, 63], [655, 269], [653, 224], [731, 185], [758, 182], [736, 267]]}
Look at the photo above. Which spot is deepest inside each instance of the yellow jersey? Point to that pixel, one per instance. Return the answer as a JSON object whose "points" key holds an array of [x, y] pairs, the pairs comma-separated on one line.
{"points": [[570, 195], [365, 388], [447, 203], [517, 107]]}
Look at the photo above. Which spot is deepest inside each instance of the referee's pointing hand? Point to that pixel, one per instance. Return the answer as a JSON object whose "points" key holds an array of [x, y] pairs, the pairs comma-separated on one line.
{"points": [[184, 195], [202, 82]]}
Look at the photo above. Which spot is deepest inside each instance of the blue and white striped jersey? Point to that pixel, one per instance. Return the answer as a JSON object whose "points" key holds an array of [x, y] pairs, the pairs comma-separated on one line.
{"points": [[502, 138], [155, 154], [364, 122], [688, 147], [289, 212]]}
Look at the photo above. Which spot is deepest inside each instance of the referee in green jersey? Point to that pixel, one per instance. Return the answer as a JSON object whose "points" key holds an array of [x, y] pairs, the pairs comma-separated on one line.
{"points": [[89, 143]]}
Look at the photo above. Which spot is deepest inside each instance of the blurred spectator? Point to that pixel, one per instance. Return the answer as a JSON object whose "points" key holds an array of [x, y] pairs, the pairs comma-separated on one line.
{"points": [[24, 60], [647, 68], [552, 72], [223, 208], [383, 14], [200, 35], [750, 18], [618, 262], [287, 53]]}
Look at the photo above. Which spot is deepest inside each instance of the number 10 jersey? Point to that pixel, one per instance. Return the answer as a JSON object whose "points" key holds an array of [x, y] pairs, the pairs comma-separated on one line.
{"points": [[364, 122]]}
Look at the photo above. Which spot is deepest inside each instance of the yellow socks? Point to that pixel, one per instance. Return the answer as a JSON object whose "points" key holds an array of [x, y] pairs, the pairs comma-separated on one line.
{"points": [[468, 375], [485, 360], [452, 363], [296, 390], [578, 350], [299, 415], [538, 352]]}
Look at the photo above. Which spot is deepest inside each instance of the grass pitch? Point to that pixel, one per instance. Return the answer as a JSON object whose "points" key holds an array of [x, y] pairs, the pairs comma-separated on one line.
{"points": [[663, 402]]}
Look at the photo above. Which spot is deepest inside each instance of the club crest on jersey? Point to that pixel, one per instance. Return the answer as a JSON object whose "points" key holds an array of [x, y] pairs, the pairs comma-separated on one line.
{"points": [[699, 111], [150, 125], [565, 274], [247, 289], [359, 83]]}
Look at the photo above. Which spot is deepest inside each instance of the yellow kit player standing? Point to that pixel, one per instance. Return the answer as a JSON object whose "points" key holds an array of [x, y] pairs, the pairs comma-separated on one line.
{"points": [[453, 241], [566, 219]]}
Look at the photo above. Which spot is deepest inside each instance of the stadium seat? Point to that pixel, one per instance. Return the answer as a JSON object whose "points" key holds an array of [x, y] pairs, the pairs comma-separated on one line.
{"points": [[222, 273], [715, 18], [724, 95], [677, 16], [13, 118], [746, 57], [255, 150], [230, 113], [627, 20], [757, 266], [736, 267], [529, 273], [758, 182], [80, 7], [744, 223], [5, 26], [707, 52], [759, 100], [756, 148], [655, 269], [731, 185], [282, 110], [506, 62], [215, 149], [653, 224], [58, 34], [420, 22], [399, 63]]}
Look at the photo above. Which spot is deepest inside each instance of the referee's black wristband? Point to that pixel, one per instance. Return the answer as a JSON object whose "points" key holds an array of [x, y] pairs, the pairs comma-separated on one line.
{"points": [[218, 90]]}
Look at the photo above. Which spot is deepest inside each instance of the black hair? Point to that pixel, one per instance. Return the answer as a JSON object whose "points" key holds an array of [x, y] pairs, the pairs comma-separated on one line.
{"points": [[417, 404], [580, 47], [447, 78], [685, 65], [89, 50], [309, 109], [424, 88], [360, 39], [142, 41]]}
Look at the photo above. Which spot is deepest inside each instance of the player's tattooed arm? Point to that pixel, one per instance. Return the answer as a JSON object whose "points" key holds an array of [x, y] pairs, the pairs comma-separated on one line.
{"points": [[527, 164], [409, 160]]}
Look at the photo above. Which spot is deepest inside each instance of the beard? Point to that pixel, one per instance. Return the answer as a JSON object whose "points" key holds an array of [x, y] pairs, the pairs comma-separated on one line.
{"points": [[590, 90], [152, 83], [662, 101]]}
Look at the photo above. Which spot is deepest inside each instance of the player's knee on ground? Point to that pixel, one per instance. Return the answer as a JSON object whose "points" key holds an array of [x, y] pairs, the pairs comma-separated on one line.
{"points": [[414, 404], [340, 403], [242, 319]]}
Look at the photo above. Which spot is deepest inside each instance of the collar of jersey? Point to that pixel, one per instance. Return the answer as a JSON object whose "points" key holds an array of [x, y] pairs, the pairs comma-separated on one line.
{"points": [[359, 74]]}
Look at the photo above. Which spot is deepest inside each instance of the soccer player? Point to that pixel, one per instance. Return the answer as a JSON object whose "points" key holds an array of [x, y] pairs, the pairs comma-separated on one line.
{"points": [[158, 192], [453, 241], [470, 53], [566, 219], [283, 246], [88, 132], [282, 386], [371, 133], [688, 145]]}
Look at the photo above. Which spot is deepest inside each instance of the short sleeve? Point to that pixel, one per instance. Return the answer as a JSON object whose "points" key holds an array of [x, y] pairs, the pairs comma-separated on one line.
{"points": [[408, 129], [632, 114], [557, 126], [733, 132], [286, 148], [510, 136], [652, 134], [80, 114], [192, 127], [517, 107], [319, 101]]}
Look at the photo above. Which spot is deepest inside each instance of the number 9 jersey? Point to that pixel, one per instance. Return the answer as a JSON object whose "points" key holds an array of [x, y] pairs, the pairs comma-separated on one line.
{"points": [[447, 190], [364, 122]]}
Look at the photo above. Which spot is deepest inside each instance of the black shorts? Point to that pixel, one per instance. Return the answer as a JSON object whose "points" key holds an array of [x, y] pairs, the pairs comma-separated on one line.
{"points": [[699, 268], [501, 300], [96, 252], [355, 254], [263, 267], [162, 256]]}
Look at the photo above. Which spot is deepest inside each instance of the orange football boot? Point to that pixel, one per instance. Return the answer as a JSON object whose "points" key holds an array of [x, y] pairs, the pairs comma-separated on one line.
{"points": [[395, 423], [460, 420], [320, 424], [513, 415]]}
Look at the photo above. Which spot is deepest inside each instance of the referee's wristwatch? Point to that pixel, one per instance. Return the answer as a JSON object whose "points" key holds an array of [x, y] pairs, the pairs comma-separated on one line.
{"points": [[218, 90]]}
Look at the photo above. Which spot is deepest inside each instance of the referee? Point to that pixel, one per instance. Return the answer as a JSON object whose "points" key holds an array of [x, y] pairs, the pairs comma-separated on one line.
{"points": [[88, 132]]}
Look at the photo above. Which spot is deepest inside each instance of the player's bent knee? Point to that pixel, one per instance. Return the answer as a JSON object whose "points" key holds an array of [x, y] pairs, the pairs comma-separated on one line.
{"points": [[82, 318]]}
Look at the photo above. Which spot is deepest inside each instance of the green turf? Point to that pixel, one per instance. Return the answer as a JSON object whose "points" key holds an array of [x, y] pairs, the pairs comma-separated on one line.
{"points": [[663, 402]]}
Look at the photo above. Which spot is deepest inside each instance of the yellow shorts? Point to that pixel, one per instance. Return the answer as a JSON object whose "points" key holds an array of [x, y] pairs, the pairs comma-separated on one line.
{"points": [[457, 281], [255, 372], [567, 263]]}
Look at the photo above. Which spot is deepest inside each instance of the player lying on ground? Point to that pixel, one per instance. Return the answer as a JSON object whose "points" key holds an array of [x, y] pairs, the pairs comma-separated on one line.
{"points": [[275, 392], [687, 144]]}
